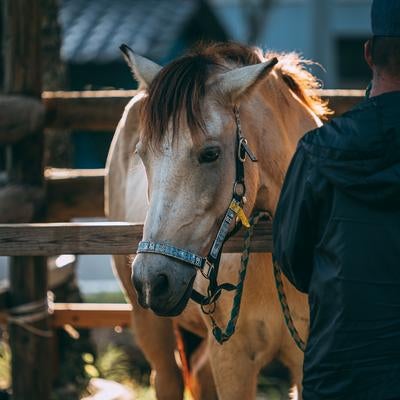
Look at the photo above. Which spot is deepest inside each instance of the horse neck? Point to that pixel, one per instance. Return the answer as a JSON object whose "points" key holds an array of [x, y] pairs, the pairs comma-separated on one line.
{"points": [[280, 119]]}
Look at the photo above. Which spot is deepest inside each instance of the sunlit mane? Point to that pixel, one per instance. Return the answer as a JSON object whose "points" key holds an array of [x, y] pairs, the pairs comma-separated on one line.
{"points": [[179, 89], [292, 69]]}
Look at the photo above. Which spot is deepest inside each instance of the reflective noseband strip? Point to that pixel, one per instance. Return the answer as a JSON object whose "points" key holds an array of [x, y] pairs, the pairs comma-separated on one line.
{"points": [[146, 246]]}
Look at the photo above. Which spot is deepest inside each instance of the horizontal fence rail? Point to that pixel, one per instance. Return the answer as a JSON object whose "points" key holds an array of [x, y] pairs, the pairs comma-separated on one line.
{"points": [[86, 315], [99, 238], [91, 315], [89, 110], [101, 110]]}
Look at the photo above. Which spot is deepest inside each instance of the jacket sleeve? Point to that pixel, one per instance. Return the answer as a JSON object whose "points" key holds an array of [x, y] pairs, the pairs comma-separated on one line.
{"points": [[295, 225]]}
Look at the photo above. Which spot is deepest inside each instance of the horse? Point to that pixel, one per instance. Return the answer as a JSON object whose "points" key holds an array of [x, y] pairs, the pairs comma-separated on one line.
{"points": [[172, 166]]}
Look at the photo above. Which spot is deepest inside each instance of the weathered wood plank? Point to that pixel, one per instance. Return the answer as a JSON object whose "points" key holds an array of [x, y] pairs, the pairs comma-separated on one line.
{"points": [[91, 315], [89, 110], [30, 343], [87, 315], [22, 47], [73, 193], [20, 116], [98, 238], [101, 110], [30, 351]]}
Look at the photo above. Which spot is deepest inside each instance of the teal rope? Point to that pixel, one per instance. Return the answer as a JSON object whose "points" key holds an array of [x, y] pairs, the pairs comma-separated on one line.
{"points": [[220, 335], [285, 308]]}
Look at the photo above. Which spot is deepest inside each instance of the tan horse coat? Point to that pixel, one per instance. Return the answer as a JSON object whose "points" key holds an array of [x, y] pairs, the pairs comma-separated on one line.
{"points": [[261, 333]]}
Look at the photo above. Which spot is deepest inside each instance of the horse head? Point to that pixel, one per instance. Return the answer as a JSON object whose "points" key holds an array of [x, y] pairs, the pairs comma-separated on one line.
{"points": [[189, 147]]}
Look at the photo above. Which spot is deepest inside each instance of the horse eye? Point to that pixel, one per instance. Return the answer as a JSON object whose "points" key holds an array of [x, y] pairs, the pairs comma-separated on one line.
{"points": [[209, 155]]}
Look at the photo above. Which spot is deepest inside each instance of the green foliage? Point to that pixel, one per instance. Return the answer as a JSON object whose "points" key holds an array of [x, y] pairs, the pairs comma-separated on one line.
{"points": [[114, 364], [105, 297]]}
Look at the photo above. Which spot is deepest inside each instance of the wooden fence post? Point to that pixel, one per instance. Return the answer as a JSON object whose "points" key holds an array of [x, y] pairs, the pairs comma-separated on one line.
{"points": [[29, 323]]}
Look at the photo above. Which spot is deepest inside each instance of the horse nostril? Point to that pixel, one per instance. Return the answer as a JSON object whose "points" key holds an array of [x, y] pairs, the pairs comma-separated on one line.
{"points": [[161, 285]]}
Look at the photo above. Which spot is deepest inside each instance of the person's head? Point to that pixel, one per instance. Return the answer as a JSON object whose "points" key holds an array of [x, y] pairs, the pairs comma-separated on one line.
{"points": [[382, 51]]}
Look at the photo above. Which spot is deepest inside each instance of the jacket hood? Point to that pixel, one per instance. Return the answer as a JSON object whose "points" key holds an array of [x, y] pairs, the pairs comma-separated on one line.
{"points": [[359, 152]]}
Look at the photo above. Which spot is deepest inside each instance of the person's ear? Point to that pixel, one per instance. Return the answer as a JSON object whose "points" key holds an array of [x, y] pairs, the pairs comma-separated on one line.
{"points": [[368, 52]]}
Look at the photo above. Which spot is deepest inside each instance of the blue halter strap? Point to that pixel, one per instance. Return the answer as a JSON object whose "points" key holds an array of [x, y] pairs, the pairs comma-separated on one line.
{"points": [[186, 256], [147, 246]]}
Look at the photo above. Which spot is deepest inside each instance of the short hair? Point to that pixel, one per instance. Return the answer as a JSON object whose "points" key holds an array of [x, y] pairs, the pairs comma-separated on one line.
{"points": [[385, 53]]}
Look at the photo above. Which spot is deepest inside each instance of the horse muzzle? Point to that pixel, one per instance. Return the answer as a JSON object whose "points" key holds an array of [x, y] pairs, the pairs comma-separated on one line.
{"points": [[162, 284]]}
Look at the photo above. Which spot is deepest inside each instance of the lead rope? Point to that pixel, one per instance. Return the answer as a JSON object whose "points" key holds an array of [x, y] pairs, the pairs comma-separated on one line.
{"points": [[285, 308], [222, 336]]}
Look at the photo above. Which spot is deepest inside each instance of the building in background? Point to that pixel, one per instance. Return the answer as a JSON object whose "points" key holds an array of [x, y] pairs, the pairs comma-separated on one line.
{"points": [[330, 32], [161, 30], [93, 30]]}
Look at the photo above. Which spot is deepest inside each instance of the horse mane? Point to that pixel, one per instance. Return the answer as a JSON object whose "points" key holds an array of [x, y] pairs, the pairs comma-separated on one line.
{"points": [[179, 88], [293, 70]]}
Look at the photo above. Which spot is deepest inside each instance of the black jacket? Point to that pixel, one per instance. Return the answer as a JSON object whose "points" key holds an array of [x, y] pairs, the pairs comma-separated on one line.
{"points": [[337, 238]]}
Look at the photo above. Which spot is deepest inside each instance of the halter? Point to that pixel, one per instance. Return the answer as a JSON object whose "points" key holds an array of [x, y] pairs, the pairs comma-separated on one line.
{"points": [[209, 265]]}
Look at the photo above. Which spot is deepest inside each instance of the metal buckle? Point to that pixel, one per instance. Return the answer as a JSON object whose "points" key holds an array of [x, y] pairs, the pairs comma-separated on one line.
{"points": [[247, 150], [209, 270], [242, 149], [239, 189]]}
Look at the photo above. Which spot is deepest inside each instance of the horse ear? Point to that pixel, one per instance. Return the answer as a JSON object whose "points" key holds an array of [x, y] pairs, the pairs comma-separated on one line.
{"points": [[143, 69], [241, 81]]}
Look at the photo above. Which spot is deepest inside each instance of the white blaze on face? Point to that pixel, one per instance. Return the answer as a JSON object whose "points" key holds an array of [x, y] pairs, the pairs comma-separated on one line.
{"points": [[168, 177], [182, 191]]}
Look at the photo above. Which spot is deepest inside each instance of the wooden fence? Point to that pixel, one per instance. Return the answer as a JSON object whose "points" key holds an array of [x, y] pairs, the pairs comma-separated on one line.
{"points": [[79, 193], [34, 197]]}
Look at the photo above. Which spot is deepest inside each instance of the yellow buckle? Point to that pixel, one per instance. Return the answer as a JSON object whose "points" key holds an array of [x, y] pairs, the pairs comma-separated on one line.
{"points": [[235, 207]]}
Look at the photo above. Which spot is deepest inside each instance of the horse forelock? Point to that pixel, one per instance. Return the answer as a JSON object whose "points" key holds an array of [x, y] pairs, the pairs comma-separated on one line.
{"points": [[178, 91]]}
